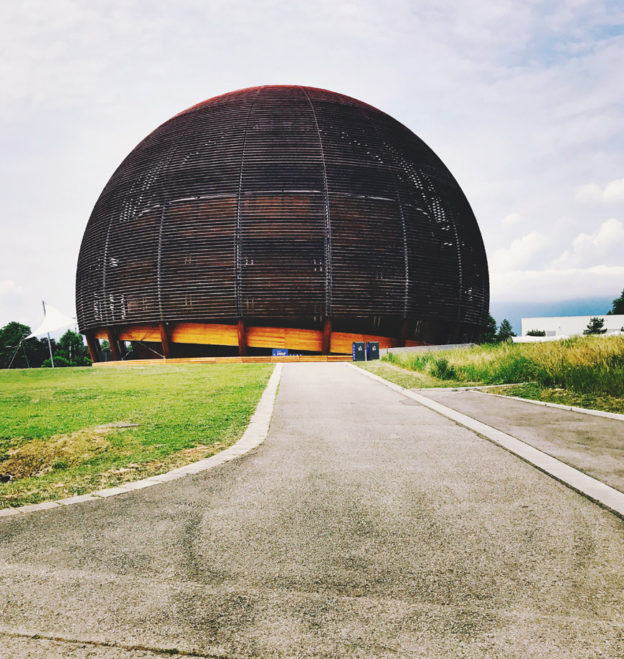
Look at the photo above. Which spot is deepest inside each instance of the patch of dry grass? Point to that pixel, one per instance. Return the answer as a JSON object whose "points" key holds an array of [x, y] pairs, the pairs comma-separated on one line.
{"points": [[582, 364], [38, 456]]}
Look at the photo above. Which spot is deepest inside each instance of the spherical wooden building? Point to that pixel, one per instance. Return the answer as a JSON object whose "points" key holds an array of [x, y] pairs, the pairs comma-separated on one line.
{"points": [[280, 217]]}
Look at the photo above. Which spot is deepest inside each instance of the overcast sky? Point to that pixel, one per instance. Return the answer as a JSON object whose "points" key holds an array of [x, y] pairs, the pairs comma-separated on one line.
{"points": [[523, 100]]}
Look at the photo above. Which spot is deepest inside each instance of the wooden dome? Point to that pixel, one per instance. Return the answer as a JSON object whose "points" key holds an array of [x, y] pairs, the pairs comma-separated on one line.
{"points": [[281, 216]]}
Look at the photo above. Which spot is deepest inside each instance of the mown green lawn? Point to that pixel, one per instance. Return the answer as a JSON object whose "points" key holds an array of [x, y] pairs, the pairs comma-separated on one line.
{"points": [[75, 430]]}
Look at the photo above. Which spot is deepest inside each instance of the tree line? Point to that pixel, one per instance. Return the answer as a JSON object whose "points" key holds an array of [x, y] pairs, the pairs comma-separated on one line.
{"points": [[18, 352], [496, 334]]}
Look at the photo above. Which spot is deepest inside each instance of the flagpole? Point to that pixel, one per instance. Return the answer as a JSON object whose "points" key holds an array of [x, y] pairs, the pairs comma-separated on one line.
{"points": [[49, 344], [15, 353], [25, 355]]}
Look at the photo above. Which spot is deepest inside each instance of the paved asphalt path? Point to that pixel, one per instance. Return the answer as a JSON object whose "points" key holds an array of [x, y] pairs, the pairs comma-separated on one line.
{"points": [[366, 525], [593, 444]]}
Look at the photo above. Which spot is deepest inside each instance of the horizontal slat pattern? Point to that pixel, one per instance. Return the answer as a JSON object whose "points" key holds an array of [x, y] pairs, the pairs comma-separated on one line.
{"points": [[197, 269], [367, 256], [285, 337], [342, 342], [257, 336], [283, 256], [204, 333], [283, 202], [228, 360]]}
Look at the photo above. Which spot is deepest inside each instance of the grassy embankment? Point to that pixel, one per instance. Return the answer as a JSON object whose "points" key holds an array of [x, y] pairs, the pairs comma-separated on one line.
{"points": [[581, 371], [76, 430]]}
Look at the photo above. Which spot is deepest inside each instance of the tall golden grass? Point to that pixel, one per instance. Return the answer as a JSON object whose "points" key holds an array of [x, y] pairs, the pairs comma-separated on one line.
{"points": [[588, 364]]}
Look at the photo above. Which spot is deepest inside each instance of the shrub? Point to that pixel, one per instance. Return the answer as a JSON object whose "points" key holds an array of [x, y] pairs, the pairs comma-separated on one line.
{"points": [[505, 331], [441, 368], [59, 361], [595, 326]]}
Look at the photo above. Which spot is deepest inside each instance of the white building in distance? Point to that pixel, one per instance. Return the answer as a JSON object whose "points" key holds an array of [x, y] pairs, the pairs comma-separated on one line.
{"points": [[562, 326]]}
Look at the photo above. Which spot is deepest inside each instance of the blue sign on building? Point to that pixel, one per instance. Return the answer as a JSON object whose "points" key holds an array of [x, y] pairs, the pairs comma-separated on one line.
{"points": [[280, 352]]}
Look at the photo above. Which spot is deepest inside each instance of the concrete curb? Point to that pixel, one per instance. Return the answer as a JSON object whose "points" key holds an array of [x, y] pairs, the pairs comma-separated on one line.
{"points": [[253, 436], [569, 408], [593, 489], [480, 387]]}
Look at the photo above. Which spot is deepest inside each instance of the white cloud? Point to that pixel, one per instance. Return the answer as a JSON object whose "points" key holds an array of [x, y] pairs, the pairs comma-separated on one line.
{"points": [[588, 192], [511, 219], [12, 298], [613, 191], [558, 284], [603, 247], [519, 253], [9, 287]]}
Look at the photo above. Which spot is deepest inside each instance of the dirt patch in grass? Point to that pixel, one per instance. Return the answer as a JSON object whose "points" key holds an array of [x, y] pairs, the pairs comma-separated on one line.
{"points": [[40, 456]]}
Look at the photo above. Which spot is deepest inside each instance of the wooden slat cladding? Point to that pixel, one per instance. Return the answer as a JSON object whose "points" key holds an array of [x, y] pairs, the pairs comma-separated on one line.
{"points": [[283, 202], [291, 338], [285, 337], [228, 360], [342, 342], [283, 258], [204, 333], [368, 265], [130, 290], [197, 269]]}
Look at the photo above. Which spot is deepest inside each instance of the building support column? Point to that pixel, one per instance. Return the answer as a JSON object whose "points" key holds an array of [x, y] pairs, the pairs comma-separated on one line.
{"points": [[165, 341], [403, 333], [455, 333], [114, 346], [94, 347], [327, 330], [242, 338]]}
